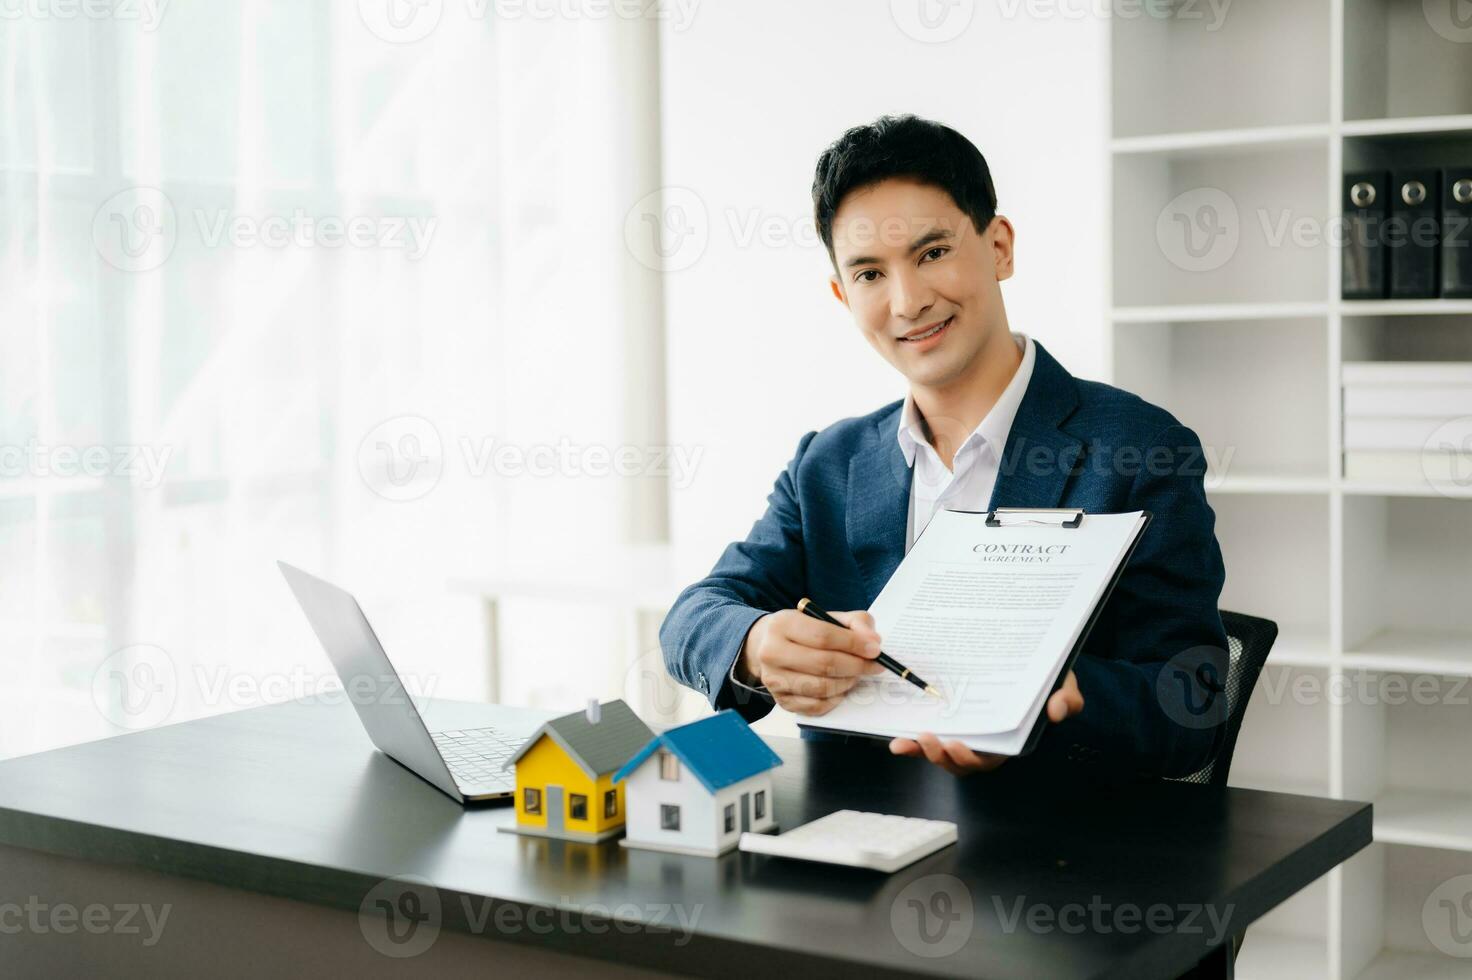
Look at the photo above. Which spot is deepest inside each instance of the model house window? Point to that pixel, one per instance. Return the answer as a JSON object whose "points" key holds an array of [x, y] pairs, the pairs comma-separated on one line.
{"points": [[531, 800], [669, 817], [730, 817], [669, 766], [577, 805], [760, 803], [610, 803]]}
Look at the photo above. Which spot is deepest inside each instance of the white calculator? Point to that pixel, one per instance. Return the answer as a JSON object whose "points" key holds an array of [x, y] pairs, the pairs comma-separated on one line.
{"points": [[880, 841]]}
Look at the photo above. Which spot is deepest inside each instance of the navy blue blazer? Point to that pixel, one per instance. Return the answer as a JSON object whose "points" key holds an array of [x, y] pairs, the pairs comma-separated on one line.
{"points": [[835, 528]]}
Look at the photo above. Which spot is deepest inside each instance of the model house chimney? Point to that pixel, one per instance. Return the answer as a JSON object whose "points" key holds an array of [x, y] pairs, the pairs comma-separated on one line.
{"points": [[595, 711]]}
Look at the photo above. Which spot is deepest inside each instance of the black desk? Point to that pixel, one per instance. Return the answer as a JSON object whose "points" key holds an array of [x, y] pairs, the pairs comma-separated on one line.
{"points": [[258, 828]]}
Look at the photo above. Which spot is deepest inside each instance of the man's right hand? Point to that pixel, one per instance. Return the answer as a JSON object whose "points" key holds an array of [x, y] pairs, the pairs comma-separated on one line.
{"points": [[809, 665]]}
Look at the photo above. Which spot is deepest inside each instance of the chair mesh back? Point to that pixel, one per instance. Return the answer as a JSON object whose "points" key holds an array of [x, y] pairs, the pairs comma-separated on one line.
{"points": [[1249, 639]]}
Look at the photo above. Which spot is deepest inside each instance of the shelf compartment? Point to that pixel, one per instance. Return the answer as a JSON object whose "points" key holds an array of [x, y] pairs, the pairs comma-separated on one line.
{"points": [[1405, 59], [1400, 556], [1387, 926], [1170, 71], [1276, 551], [1412, 650], [1288, 707], [1214, 229], [1197, 371], [1424, 818], [1396, 727], [1271, 956]]}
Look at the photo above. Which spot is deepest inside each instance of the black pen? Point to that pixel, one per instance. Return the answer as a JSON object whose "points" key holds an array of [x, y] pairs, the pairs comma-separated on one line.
{"points": [[809, 608]]}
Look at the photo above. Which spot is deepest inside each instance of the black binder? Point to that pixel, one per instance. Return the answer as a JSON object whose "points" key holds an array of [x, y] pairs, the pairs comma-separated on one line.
{"points": [[1414, 233], [1070, 517], [1366, 198], [1456, 232]]}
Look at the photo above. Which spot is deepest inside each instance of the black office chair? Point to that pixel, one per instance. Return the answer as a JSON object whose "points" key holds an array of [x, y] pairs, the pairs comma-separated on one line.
{"points": [[1249, 639]]}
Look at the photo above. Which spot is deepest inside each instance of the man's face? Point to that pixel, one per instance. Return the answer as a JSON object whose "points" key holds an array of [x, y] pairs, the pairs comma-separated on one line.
{"points": [[920, 280]]}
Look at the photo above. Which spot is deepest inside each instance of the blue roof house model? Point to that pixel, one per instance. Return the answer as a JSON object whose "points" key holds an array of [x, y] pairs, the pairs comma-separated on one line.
{"points": [[694, 789]]}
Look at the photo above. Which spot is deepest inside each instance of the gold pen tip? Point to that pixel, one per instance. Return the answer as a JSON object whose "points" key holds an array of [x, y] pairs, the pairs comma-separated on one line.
{"points": [[930, 689]]}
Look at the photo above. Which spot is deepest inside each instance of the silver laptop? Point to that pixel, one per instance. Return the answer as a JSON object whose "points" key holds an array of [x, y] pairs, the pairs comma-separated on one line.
{"points": [[466, 764]]}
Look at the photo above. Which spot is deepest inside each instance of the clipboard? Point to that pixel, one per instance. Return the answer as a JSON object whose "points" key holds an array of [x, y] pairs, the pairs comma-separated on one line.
{"points": [[1067, 517]]}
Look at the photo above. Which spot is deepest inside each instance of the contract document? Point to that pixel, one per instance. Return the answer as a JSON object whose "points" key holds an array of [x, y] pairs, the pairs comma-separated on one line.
{"points": [[992, 610]]}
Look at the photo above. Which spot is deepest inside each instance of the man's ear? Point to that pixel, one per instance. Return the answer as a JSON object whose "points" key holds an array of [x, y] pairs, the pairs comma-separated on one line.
{"points": [[1003, 240], [837, 288]]}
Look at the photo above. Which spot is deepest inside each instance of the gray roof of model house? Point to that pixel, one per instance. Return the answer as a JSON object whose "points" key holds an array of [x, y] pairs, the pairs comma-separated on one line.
{"points": [[597, 747]]}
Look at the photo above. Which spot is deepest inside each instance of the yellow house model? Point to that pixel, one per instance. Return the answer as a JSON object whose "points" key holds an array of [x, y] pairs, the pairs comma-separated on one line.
{"points": [[564, 773]]}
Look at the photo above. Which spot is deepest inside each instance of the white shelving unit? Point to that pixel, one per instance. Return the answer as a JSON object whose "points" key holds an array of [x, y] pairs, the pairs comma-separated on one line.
{"points": [[1368, 582]]}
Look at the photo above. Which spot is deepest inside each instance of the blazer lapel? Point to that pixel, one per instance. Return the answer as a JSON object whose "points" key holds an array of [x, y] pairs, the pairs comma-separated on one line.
{"points": [[1036, 464], [878, 504], [1040, 457]]}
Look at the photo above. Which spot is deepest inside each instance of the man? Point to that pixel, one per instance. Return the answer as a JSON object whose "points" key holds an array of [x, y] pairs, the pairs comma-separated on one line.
{"points": [[907, 210]]}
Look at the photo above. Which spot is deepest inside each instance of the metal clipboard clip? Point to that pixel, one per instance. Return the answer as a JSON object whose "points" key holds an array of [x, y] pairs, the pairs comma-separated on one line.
{"points": [[1040, 516]]}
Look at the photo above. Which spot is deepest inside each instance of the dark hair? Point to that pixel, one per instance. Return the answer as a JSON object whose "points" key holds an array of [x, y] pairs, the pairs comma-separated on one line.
{"points": [[903, 146]]}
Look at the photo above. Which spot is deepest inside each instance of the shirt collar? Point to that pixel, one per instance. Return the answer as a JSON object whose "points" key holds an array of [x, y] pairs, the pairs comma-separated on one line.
{"points": [[998, 422]]}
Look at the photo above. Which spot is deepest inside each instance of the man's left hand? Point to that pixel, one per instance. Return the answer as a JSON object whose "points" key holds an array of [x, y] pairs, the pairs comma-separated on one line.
{"points": [[959, 760]]}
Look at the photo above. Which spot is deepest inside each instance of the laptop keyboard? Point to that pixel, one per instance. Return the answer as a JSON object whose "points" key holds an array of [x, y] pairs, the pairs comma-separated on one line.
{"points": [[476, 756]]}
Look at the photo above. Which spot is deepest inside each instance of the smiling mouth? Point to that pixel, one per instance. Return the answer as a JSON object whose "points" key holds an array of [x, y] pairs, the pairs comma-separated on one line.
{"points": [[928, 333]]}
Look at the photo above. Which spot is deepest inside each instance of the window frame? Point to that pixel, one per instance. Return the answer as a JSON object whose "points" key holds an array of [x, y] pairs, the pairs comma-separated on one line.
{"points": [[610, 803], [577, 802], [531, 800], [759, 805], [669, 766], [669, 817], [729, 815]]}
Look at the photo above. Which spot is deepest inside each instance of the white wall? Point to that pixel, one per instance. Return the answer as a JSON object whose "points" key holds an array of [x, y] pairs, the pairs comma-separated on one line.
{"points": [[759, 352]]}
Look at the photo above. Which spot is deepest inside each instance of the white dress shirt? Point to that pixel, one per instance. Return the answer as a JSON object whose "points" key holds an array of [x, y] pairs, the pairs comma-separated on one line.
{"points": [[968, 484]]}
